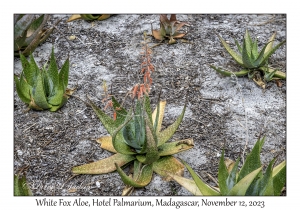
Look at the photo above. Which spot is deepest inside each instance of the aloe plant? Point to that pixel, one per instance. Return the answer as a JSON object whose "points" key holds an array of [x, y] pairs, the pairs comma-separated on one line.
{"points": [[20, 186], [29, 32], [249, 180], [169, 29], [253, 62], [89, 17], [42, 88], [138, 138]]}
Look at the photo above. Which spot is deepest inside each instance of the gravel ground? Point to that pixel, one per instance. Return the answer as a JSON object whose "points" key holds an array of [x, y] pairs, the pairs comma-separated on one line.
{"points": [[221, 112]]}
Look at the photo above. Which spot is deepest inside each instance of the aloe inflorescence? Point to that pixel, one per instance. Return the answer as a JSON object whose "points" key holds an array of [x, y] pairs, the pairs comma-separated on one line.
{"points": [[253, 62], [43, 88]]}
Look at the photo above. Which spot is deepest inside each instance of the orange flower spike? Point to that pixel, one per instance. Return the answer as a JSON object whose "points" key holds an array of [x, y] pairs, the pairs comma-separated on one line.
{"points": [[134, 90], [115, 116]]}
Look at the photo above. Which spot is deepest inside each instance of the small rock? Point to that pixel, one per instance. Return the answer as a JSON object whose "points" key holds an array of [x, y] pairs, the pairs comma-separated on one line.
{"points": [[19, 152], [98, 184]]}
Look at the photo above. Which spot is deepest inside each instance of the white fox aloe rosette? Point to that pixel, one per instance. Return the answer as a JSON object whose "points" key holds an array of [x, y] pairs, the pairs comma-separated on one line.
{"points": [[43, 89], [169, 29], [255, 63], [249, 180], [138, 138]]}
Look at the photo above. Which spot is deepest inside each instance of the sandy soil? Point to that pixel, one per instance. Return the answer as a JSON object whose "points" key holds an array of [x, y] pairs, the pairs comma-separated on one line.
{"points": [[221, 112]]}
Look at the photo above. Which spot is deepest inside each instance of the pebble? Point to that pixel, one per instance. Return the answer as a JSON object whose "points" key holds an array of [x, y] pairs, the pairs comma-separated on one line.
{"points": [[98, 184], [19, 152]]}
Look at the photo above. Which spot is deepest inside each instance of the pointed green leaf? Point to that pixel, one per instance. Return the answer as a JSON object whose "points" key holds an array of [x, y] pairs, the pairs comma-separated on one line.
{"points": [[168, 165], [238, 46], [277, 74], [175, 147], [21, 187], [204, 188], [188, 184], [158, 115], [107, 121], [252, 160], [253, 189], [118, 138], [222, 176], [64, 75], [269, 76], [120, 145], [270, 43], [279, 177], [137, 166], [23, 89], [246, 55], [233, 54], [241, 73], [166, 134], [241, 187], [266, 183], [147, 107], [103, 166], [56, 90], [38, 93], [254, 51], [264, 56], [151, 148], [155, 122], [143, 179], [63, 102], [231, 180], [30, 70], [247, 44]]}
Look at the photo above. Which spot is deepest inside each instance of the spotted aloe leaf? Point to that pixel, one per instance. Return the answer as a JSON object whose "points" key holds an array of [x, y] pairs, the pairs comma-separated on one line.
{"points": [[279, 177], [168, 165], [21, 187], [134, 132], [23, 88], [166, 134], [151, 149], [142, 179], [106, 143], [237, 57], [105, 165], [175, 147], [252, 161]]}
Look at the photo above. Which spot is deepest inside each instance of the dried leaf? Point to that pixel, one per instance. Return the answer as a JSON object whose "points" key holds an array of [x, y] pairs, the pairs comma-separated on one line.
{"points": [[74, 17]]}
